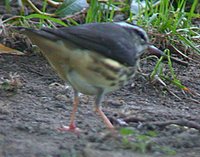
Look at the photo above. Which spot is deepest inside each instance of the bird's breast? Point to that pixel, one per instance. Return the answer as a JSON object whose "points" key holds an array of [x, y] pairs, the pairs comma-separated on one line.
{"points": [[91, 71]]}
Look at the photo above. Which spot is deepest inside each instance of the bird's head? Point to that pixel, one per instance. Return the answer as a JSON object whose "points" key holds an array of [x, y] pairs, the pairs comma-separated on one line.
{"points": [[140, 36]]}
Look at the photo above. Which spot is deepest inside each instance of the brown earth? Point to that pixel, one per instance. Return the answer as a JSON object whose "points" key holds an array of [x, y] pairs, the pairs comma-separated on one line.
{"points": [[36, 104]]}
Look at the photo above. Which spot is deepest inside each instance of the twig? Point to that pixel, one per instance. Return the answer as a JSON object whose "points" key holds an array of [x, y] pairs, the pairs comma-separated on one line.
{"points": [[37, 10], [178, 61], [133, 119], [156, 77], [181, 54], [181, 122], [53, 3], [11, 18]]}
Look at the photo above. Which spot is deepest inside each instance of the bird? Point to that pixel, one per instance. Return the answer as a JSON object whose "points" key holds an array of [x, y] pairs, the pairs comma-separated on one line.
{"points": [[95, 59]]}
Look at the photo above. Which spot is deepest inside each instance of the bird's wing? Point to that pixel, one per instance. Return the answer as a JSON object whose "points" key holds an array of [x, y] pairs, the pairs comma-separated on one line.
{"points": [[108, 39]]}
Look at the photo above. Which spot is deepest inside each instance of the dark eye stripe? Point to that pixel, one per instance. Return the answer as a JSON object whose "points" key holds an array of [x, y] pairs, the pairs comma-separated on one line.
{"points": [[141, 34]]}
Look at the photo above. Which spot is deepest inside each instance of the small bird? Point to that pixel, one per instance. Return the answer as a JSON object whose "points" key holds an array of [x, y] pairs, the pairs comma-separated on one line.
{"points": [[94, 59]]}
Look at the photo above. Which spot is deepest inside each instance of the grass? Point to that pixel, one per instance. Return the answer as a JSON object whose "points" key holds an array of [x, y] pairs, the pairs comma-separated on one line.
{"points": [[101, 12], [172, 27], [142, 142], [174, 22], [171, 77]]}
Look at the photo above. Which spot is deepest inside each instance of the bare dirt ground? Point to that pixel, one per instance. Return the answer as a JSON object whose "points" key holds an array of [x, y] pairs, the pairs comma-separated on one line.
{"points": [[35, 103], [30, 114]]}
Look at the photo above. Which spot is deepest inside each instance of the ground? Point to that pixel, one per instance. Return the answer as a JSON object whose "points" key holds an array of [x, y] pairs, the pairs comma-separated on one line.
{"points": [[34, 102], [39, 104]]}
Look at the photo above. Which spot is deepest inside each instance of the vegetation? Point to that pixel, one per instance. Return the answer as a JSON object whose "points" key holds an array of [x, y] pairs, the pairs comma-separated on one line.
{"points": [[142, 142]]}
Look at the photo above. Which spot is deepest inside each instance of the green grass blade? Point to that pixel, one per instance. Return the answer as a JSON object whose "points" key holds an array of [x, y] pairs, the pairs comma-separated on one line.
{"points": [[39, 16]]}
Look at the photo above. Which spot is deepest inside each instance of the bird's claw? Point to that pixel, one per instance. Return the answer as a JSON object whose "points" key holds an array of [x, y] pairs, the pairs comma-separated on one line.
{"points": [[70, 128]]}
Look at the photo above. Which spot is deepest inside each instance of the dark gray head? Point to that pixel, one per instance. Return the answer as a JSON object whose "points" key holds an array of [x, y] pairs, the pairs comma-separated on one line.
{"points": [[144, 40], [138, 30]]}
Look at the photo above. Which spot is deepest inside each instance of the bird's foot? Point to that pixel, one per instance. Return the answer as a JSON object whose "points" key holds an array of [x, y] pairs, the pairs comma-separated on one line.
{"points": [[70, 128]]}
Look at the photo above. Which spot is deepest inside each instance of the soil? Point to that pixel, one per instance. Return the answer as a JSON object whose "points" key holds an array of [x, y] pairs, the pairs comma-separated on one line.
{"points": [[34, 102]]}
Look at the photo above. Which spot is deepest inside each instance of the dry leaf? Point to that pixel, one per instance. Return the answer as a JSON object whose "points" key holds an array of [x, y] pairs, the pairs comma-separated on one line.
{"points": [[7, 50]]}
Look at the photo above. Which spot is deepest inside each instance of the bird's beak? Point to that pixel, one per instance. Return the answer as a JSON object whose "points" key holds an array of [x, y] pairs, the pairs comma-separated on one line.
{"points": [[155, 51]]}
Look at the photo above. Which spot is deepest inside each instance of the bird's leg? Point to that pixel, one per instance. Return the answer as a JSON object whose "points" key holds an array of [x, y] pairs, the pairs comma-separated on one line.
{"points": [[100, 112], [72, 127]]}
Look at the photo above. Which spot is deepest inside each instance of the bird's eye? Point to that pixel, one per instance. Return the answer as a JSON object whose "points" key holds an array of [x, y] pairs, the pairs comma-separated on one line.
{"points": [[142, 34]]}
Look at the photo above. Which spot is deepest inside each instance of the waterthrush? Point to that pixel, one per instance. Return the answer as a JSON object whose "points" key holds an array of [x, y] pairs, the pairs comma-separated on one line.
{"points": [[93, 58]]}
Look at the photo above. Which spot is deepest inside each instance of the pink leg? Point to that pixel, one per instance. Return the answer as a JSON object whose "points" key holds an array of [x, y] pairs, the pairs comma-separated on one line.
{"points": [[98, 100], [72, 127], [105, 119]]}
